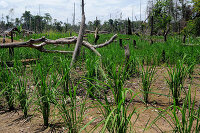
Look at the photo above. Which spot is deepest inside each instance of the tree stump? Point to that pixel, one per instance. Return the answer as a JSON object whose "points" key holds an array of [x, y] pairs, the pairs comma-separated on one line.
{"points": [[127, 56], [4, 40], [151, 42], [184, 38], [120, 43], [134, 44], [11, 50], [163, 56]]}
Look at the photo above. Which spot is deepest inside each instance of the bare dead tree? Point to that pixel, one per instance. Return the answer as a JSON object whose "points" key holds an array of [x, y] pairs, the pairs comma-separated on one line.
{"points": [[80, 36]]}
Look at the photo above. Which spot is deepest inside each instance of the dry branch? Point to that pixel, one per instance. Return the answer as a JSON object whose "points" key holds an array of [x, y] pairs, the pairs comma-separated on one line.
{"points": [[91, 47], [106, 43]]}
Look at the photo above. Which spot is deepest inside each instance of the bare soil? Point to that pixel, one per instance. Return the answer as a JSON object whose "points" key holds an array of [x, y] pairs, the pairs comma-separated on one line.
{"points": [[13, 122]]}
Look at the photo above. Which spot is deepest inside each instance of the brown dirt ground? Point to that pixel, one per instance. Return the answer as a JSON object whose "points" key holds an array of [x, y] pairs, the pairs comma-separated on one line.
{"points": [[13, 122]]}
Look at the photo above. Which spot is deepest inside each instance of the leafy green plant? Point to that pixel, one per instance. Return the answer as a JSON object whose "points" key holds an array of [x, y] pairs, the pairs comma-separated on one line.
{"points": [[147, 79]]}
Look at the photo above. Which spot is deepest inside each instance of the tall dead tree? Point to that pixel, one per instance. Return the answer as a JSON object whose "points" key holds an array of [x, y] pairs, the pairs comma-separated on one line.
{"points": [[152, 28], [80, 36]]}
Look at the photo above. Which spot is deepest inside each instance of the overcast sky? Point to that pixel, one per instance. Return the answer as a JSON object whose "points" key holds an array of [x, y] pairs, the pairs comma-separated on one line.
{"points": [[63, 9]]}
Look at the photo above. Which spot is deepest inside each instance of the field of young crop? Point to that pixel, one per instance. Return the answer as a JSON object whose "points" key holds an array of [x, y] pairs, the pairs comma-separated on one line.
{"points": [[157, 89]]}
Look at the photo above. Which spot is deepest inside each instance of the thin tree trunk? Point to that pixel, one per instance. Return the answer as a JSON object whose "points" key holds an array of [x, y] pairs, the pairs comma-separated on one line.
{"points": [[80, 37]]}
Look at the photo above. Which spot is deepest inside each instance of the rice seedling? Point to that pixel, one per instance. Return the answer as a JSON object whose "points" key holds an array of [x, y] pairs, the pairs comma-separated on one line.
{"points": [[7, 80], [177, 76], [116, 116], [147, 79], [40, 77], [184, 119], [64, 71], [71, 109], [93, 72]]}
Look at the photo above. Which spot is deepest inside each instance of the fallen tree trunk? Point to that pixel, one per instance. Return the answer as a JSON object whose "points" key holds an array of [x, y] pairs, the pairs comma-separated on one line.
{"points": [[33, 43]]}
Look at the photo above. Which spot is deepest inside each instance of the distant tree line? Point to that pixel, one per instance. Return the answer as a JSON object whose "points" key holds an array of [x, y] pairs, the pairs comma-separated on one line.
{"points": [[177, 16], [38, 24], [182, 16]]}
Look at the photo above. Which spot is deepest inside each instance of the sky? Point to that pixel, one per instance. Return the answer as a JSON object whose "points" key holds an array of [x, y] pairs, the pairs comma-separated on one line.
{"points": [[63, 9]]}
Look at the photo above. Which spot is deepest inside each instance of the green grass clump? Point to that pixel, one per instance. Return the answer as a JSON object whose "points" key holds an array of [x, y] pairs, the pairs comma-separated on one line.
{"points": [[147, 79], [182, 119], [177, 76]]}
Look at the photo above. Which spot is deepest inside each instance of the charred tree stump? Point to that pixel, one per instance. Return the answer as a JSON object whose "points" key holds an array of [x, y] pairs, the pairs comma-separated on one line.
{"points": [[129, 27], [83, 53], [127, 57], [166, 33], [137, 34], [163, 56], [184, 38], [4, 40], [152, 28], [96, 36], [134, 44], [11, 50], [151, 41], [120, 43]]}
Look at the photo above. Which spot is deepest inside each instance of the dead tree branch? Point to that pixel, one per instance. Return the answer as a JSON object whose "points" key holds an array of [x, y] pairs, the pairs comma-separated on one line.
{"points": [[106, 43]]}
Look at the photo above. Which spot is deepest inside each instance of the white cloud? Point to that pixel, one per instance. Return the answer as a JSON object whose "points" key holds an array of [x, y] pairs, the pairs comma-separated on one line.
{"points": [[3, 4], [63, 9]]}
